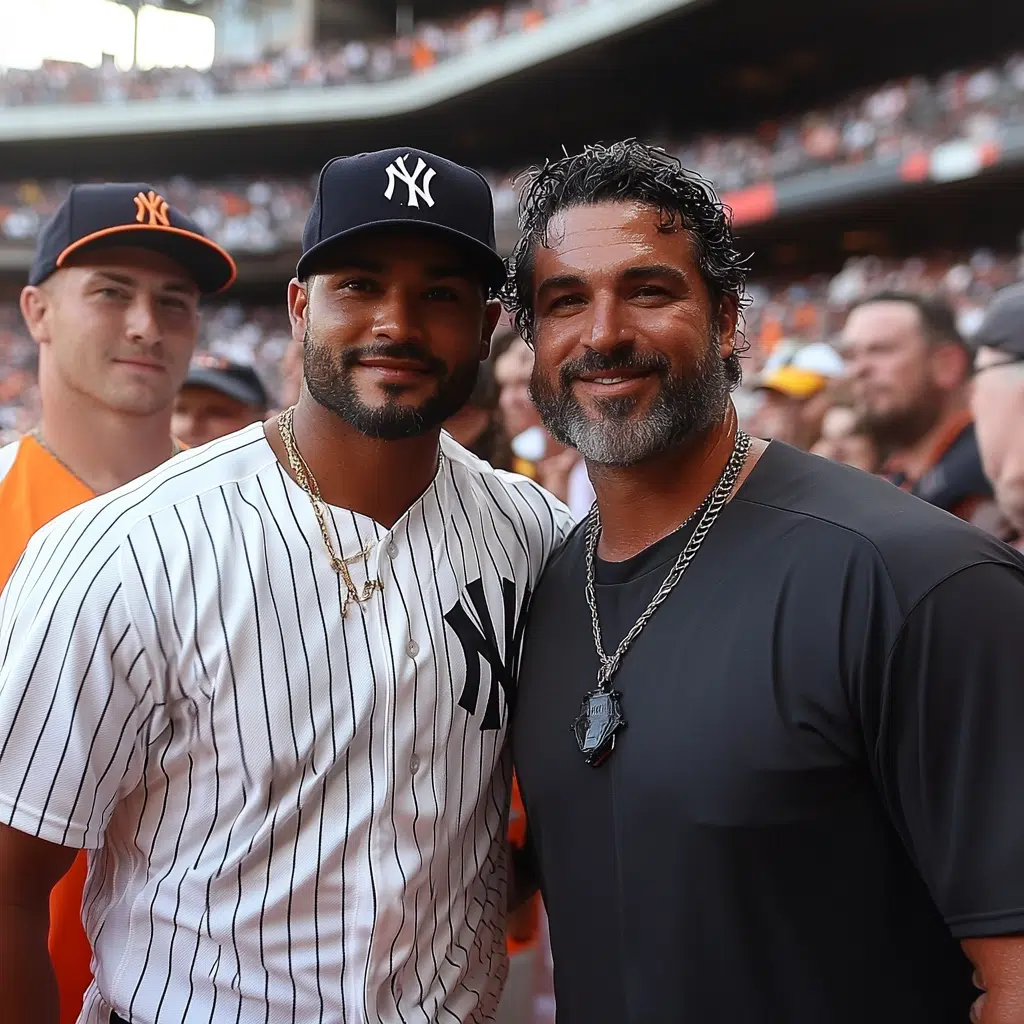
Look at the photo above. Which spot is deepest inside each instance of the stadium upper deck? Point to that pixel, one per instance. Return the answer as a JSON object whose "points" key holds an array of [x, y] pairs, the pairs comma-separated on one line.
{"points": [[357, 80]]}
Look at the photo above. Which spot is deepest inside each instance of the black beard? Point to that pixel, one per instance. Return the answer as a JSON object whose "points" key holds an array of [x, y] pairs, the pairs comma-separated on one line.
{"points": [[901, 428], [683, 407], [330, 382]]}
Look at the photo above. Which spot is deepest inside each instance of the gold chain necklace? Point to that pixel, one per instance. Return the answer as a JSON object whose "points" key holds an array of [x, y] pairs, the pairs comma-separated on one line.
{"points": [[37, 435], [308, 483]]}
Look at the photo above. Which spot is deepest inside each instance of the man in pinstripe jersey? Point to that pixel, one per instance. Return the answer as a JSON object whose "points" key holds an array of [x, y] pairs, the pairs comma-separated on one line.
{"points": [[267, 686]]}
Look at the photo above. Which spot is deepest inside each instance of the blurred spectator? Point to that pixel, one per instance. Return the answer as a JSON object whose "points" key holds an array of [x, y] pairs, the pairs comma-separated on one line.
{"points": [[795, 394], [535, 453], [529, 440], [998, 404], [843, 440], [291, 375], [217, 398], [257, 336], [908, 369], [478, 426]]}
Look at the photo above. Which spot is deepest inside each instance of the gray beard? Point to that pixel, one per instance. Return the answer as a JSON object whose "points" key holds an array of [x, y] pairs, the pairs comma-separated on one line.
{"points": [[683, 407]]}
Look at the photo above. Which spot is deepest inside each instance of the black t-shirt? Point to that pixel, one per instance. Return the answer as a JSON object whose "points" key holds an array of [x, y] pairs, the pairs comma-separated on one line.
{"points": [[957, 480], [821, 785]]}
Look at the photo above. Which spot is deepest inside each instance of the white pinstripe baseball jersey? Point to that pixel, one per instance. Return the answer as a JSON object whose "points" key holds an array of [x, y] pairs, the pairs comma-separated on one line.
{"points": [[290, 817]]}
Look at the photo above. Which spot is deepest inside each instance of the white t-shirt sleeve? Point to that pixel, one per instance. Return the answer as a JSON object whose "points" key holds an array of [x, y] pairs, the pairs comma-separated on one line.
{"points": [[77, 688]]}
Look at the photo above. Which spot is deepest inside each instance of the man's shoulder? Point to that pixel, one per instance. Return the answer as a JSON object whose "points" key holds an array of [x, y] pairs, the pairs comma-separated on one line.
{"points": [[854, 513], [105, 522], [529, 506]]}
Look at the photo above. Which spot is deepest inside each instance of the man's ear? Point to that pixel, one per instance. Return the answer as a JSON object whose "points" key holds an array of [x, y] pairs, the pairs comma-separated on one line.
{"points": [[34, 302], [492, 314], [951, 365], [728, 320], [298, 304]]}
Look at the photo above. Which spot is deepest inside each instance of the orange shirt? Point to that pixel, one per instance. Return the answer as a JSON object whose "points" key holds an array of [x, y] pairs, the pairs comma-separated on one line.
{"points": [[35, 488]]}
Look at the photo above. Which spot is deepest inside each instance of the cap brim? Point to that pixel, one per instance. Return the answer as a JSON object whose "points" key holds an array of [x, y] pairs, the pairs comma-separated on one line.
{"points": [[492, 265], [210, 266], [794, 382], [224, 385]]}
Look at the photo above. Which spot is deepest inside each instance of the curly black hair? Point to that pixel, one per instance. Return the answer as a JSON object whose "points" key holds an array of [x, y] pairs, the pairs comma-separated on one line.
{"points": [[628, 170]]}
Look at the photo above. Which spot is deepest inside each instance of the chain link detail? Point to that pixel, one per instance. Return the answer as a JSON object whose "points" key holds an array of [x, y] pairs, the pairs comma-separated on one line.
{"points": [[712, 505], [308, 483]]}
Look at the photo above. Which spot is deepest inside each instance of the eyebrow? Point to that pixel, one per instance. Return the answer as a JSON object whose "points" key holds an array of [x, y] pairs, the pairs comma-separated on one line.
{"points": [[560, 281], [123, 279], [656, 270]]}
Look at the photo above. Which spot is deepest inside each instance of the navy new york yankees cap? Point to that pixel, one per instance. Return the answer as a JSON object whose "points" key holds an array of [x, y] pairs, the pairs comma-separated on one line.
{"points": [[136, 215], [396, 187]]}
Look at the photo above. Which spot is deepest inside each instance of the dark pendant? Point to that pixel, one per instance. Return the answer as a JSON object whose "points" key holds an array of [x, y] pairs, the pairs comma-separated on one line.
{"points": [[599, 720]]}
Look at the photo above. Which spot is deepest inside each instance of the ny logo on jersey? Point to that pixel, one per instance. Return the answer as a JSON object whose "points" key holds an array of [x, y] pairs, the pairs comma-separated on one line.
{"points": [[480, 644], [397, 171]]}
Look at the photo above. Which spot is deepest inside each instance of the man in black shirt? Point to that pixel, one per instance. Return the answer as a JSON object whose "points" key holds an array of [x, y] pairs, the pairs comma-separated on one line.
{"points": [[909, 370], [788, 788]]}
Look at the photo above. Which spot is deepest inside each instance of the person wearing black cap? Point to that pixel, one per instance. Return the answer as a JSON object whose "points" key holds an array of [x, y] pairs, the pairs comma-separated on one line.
{"points": [[997, 401], [111, 303], [268, 686], [217, 398]]}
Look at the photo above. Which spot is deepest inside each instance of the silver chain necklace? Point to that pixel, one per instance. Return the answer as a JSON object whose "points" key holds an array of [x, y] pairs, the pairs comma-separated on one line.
{"points": [[600, 718]]}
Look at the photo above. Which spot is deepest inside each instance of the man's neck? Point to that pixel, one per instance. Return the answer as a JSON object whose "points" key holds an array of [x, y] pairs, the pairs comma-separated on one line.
{"points": [[917, 458], [378, 479], [103, 448], [640, 504]]}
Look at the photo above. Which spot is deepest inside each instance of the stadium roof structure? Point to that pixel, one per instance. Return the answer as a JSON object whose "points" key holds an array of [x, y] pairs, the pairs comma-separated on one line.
{"points": [[562, 34]]}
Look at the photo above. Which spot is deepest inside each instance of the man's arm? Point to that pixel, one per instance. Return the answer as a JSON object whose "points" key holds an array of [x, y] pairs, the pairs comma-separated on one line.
{"points": [[951, 767], [999, 973], [29, 869], [523, 881], [77, 688]]}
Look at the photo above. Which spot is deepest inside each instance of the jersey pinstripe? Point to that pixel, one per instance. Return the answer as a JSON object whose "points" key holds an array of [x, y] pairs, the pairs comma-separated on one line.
{"points": [[290, 817]]}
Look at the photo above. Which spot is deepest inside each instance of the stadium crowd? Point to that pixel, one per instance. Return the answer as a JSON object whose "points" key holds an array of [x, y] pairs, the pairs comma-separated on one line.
{"points": [[892, 121], [355, 61]]}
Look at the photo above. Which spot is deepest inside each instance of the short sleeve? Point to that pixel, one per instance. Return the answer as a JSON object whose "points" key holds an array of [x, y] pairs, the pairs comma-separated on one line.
{"points": [[950, 750], [76, 688], [547, 521]]}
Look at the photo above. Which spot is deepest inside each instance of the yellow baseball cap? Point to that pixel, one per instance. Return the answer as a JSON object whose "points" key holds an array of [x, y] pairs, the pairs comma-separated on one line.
{"points": [[804, 372]]}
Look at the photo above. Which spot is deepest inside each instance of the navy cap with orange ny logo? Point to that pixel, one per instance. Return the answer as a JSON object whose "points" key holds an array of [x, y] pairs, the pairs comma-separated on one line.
{"points": [[136, 215]]}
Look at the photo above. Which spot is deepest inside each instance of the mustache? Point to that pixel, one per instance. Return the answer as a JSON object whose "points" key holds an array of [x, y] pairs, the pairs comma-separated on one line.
{"points": [[394, 350], [625, 358]]}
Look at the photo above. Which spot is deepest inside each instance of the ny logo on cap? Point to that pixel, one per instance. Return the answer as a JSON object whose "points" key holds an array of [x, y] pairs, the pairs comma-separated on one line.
{"points": [[397, 171], [149, 204]]}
